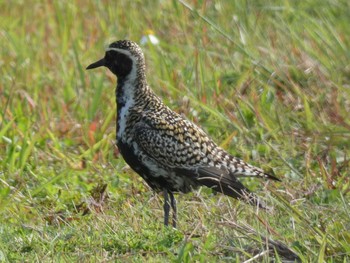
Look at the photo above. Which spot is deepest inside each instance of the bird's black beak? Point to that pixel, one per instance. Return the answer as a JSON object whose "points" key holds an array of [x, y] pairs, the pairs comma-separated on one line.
{"points": [[97, 64]]}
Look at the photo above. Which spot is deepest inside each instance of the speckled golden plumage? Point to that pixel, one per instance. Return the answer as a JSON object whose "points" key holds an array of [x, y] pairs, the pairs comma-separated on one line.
{"points": [[168, 151]]}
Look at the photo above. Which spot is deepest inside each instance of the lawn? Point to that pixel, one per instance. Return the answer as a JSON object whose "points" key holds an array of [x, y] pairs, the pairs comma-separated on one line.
{"points": [[268, 80]]}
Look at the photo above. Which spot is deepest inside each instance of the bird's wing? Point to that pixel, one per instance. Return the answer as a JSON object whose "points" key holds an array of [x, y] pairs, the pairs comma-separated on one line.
{"points": [[178, 144], [171, 140]]}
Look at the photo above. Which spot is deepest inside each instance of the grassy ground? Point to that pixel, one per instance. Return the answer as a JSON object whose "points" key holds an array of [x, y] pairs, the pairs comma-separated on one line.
{"points": [[268, 80]]}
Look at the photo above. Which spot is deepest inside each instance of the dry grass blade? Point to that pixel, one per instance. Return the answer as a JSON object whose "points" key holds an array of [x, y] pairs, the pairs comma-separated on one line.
{"points": [[272, 245]]}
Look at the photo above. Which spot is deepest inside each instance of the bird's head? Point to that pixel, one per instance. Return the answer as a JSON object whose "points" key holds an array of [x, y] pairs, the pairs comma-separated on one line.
{"points": [[124, 58]]}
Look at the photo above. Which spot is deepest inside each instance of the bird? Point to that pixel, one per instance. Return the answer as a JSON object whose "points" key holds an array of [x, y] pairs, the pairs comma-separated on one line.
{"points": [[168, 151]]}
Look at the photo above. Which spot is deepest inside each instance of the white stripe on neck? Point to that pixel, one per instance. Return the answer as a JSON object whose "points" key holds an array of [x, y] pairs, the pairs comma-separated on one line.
{"points": [[129, 87]]}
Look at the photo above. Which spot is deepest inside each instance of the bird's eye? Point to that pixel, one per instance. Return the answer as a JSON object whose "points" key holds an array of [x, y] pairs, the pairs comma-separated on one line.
{"points": [[108, 55]]}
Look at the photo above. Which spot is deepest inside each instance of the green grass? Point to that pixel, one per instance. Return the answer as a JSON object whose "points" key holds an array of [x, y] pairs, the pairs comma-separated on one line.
{"points": [[268, 80]]}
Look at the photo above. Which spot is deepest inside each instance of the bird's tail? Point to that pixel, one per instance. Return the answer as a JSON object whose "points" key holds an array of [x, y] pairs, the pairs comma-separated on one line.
{"points": [[224, 182], [239, 168]]}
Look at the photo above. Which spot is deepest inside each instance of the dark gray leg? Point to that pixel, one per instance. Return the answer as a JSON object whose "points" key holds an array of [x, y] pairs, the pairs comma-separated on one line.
{"points": [[166, 206], [173, 206]]}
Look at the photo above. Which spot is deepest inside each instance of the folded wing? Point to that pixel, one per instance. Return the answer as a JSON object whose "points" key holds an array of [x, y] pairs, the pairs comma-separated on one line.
{"points": [[171, 146]]}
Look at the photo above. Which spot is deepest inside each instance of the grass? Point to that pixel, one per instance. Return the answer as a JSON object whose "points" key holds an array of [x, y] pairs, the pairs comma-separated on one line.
{"points": [[268, 80]]}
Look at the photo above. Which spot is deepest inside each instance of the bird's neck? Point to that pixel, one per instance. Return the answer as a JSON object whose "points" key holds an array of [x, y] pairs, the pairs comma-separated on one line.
{"points": [[132, 97], [129, 89]]}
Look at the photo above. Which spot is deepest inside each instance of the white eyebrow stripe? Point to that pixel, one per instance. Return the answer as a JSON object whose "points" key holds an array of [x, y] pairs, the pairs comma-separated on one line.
{"points": [[112, 48], [126, 52]]}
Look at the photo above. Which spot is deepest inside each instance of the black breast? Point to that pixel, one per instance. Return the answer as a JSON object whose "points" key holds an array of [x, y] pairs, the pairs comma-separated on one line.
{"points": [[157, 183]]}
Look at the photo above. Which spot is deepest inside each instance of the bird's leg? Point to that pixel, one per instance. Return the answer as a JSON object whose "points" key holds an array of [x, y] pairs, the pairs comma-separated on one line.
{"points": [[173, 206], [166, 207]]}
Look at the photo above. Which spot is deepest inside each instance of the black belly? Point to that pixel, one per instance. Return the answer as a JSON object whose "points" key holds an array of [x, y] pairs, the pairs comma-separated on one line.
{"points": [[156, 183]]}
